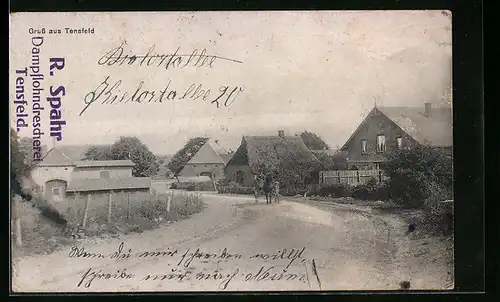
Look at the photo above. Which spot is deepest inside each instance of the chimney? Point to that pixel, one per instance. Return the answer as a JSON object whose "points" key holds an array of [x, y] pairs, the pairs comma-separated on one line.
{"points": [[428, 107], [281, 133]]}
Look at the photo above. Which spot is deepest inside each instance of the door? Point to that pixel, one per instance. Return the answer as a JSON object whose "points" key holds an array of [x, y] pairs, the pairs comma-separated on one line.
{"points": [[55, 190]]}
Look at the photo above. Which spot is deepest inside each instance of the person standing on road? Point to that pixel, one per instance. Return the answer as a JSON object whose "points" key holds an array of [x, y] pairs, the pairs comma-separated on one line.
{"points": [[276, 191]]}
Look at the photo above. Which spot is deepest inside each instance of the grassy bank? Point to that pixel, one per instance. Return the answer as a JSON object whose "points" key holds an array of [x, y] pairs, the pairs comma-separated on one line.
{"points": [[127, 214]]}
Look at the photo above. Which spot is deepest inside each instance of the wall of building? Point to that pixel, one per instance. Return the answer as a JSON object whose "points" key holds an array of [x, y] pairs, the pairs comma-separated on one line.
{"points": [[191, 170], [231, 171], [373, 126], [43, 174], [95, 172]]}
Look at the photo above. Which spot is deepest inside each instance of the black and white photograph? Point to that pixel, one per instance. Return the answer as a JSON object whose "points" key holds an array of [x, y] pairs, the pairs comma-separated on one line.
{"points": [[227, 151]]}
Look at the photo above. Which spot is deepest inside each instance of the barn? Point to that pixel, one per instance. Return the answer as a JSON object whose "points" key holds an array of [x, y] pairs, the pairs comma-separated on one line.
{"points": [[272, 152]]}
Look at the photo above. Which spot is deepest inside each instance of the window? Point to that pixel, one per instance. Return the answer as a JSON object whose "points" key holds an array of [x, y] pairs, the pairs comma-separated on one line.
{"points": [[56, 191], [104, 174], [206, 166], [363, 146], [380, 143], [400, 142]]}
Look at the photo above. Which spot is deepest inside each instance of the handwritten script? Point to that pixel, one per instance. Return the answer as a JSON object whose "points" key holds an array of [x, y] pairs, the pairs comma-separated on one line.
{"points": [[110, 91], [198, 265]]}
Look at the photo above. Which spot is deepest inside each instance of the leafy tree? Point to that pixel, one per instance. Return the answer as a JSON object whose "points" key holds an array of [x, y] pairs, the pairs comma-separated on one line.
{"points": [[129, 147], [18, 163], [98, 153], [313, 141], [419, 174], [182, 156]]}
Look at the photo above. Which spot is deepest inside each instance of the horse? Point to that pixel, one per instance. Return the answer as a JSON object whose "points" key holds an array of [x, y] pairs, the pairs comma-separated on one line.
{"points": [[268, 190]]}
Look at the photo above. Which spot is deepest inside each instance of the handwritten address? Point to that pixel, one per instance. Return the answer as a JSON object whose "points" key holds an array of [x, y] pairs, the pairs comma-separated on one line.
{"points": [[111, 92], [190, 265]]}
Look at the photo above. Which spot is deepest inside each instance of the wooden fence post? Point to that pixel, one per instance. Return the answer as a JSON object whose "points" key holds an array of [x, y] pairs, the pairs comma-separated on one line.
{"points": [[110, 202], [169, 200], [380, 176], [85, 214], [17, 217], [128, 205]]}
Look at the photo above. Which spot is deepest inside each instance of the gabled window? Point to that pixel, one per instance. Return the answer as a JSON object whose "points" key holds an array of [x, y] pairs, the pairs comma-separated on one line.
{"points": [[363, 146], [399, 140], [380, 143]]}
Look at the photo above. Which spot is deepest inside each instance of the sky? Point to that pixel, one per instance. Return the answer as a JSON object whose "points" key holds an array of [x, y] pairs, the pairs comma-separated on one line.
{"points": [[315, 71]]}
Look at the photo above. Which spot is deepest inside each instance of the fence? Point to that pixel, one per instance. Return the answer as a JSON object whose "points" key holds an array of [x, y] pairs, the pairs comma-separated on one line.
{"points": [[101, 212], [352, 177]]}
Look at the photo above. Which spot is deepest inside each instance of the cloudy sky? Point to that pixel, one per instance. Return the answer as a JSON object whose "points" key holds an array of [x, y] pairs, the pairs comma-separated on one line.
{"points": [[315, 71]]}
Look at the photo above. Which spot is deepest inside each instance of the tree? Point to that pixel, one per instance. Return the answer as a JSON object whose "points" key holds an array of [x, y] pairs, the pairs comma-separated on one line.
{"points": [[98, 153], [129, 147], [182, 156], [418, 174], [20, 169], [313, 141], [18, 163]]}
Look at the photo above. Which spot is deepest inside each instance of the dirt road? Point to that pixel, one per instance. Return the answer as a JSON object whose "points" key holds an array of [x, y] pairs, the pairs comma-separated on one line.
{"points": [[235, 244]]}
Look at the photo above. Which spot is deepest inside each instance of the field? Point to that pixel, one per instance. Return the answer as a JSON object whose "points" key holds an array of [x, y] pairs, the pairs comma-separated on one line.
{"points": [[106, 215]]}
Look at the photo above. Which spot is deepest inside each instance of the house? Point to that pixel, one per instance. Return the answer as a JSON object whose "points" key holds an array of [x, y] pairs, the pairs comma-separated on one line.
{"points": [[386, 128], [208, 161], [268, 151], [58, 174]]}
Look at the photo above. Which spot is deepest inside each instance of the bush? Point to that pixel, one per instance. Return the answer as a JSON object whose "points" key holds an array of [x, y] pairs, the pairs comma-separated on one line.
{"points": [[335, 190], [371, 190], [418, 176]]}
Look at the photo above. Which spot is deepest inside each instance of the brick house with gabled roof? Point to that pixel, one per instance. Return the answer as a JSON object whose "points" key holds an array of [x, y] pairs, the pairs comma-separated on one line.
{"points": [[386, 128]]}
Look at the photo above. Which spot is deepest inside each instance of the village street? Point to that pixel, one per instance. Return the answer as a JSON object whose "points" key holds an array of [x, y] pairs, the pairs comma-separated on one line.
{"points": [[351, 248]]}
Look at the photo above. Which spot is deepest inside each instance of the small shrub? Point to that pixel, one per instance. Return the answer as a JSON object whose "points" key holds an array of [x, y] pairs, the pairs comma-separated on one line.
{"points": [[336, 190]]}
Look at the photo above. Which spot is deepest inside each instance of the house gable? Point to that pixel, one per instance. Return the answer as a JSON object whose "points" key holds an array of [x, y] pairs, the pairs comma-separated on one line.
{"points": [[56, 158], [206, 155], [376, 123]]}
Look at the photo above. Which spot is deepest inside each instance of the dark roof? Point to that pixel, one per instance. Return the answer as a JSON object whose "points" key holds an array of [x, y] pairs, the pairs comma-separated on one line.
{"points": [[271, 150], [105, 184], [105, 163], [434, 130]]}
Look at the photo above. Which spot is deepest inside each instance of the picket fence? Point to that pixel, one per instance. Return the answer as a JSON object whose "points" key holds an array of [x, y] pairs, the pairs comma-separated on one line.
{"points": [[352, 177]]}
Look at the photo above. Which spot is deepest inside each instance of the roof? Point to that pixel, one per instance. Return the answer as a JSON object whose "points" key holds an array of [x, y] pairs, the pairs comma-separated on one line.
{"points": [[76, 152], [206, 155], [272, 150], [54, 158], [104, 184], [226, 157], [105, 163], [435, 130]]}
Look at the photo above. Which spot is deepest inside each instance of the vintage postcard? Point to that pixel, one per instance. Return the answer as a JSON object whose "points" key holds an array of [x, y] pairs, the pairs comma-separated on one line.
{"points": [[231, 151]]}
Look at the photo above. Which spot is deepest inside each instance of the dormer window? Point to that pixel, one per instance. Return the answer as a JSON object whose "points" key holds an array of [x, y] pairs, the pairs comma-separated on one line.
{"points": [[399, 141], [363, 146], [380, 143]]}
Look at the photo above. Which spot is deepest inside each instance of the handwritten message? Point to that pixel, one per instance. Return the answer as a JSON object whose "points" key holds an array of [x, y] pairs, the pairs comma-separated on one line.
{"points": [[110, 91], [199, 265]]}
